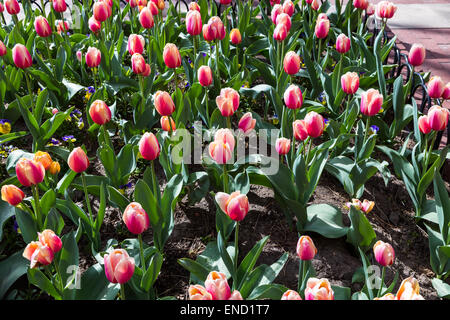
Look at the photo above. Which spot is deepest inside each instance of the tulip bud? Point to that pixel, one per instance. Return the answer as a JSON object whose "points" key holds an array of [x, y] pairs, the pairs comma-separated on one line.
{"points": [[119, 266], [314, 124], [370, 9], [384, 253], [135, 218], [59, 5], [435, 87], [284, 19], [438, 118], [42, 27], [322, 16], [228, 101], [217, 285], [424, 126], [194, 6], [146, 18], [276, 10], [198, 292], [371, 102], [315, 5], [306, 250], [446, 92], [136, 44], [235, 205], [299, 129], [12, 6], [416, 54], [291, 63], [247, 123], [318, 289], [218, 26], [78, 160], [94, 25], [342, 43], [235, 36], [322, 28], [164, 103], [360, 4], [50, 239], [79, 55], [386, 9], [132, 3], [100, 112], [208, 33], [3, 50], [149, 146], [171, 56], [21, 56], [280, 32], [288, 7], [367, 206], [29, 172], [350, 82], [409, 290], [138, 63], [93, 57], [194, 22], [38, 254], [166, 124], [291, 295], [12, 194], [43, 158], [204, 75], [293, 97], [101, 11], [54, 168], [283, 145]]}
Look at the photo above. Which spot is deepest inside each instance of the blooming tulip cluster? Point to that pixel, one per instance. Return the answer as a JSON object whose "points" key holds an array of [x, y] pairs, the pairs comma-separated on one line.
{"points": [[409, 290], [436, 119], [42, 252], [216, 288], [214, 29]]}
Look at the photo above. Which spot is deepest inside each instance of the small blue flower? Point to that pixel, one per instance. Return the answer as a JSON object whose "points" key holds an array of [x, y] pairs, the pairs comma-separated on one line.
{"points": [[55, 142], [16, 226], [67, 138], [3, 121], [189, 60], [187, 85], [374, 128], [203, 54], [325, 120], [90, 89]]}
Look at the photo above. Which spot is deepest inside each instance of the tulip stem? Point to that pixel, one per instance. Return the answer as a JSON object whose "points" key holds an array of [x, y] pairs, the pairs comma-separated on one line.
{"points": [[141, 249], [30, 91], [194, 40], [382, 282], [217, 63], [86, 195], [37, 207], [3, 18], [131, 18], [428, 153], [367, 129], [59, 276], [149, 46], [155, 183], [207, 104], [225, 178], [309, 152], [122, 292], [236, 247], [319, 52], [229, 122]]}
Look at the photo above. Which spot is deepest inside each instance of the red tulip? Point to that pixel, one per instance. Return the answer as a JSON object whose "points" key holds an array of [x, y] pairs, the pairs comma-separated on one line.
{"points": [[78, 160], [416, 54], [208, 32], [225, 136], [291, 63], [43, 158], [291, 295], [171, 55], [146, 18], [149, 146], [218, 26], [153, 8], [94, 25], [198, 292], [235, 36], [445, 93], [342, 43], [12, 6], [228, 101], [42, 27], [62, 26], [315, 5], [93, 57], [280, 32], [50, 239], [247, 123], [371, 102], [217, 285], [135, 218], [100, 112], [322, 28], [3, 49], [38, 254], [147, 71], [21, 56], [119, 266], [138, 63], [12, 194], [194, 6], [101, 11], [284, 19], [235, 205], [314, 124], [386, 9], [438, 117], [318, 289], [424, 126], [29, 172], [276, 10], [306, 250], [299, 129], [288, 7], [194, 22], [166, 124], [283, 145], [435, 87], [293, 97], [136, 44], [384, 253], [361, 4], [350, 82], [164, 103], [59, 5], [204, 75]]}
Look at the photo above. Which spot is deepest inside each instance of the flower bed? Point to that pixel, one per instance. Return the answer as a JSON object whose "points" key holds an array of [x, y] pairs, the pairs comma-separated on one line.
{"points": [[219, 154]]}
